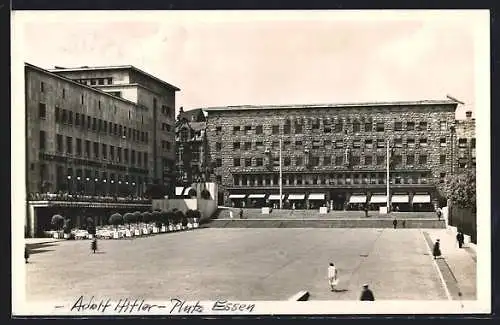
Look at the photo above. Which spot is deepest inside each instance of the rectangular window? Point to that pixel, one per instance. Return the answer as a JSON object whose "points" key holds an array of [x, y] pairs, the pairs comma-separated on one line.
{"points": [[218, 162], [143, 136], [89, 122], [111, 153], [442, 159], [120, 131], [443, 126], [58, 114], [87, 148], [473, 143], [258, 129], [248, 162], [356, 127], [99, 126], [104, 151], [316, 124], [287, 161], [139, 158], [298, 128], [422, 159], [132, 157], [81, 100], [70, 117], [276, 129], [368, 160], [339, 144], [248, 146], [248, 129], [286, 128], [339, 160], [125, 155], [422, 126], [339, 126], [368, 143], [42, 140], [59, 143], [259, 162], [442, 142], [327, 143], [410, 142], [105, 127], [218, 146], [236, 145], [356, 144], [316, 144], [69, 145], [83, 120], [380, 160], [355, 160], [236, 162], [410, 126], [298, 144], [368, 127], [64, 117], [77, 119], [299, 161], [410, 159], [380, 127], [259, 145], [96, 150], [78, 147], [398, 126], [42, 111], [327, 161], [118, 154], [42, 86], [314, 161], [423, 142], [462, 143], [398, 143], [236, 129], [218, 130], [380, 143], [146, 161], [397, 160], [276, 145]]}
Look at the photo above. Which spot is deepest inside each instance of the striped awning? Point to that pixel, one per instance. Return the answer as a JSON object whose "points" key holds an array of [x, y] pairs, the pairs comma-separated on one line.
{"points": [[378, 198], [316, 196], [256, 196], [296, 196], [237, 196], [421, 198], [275, 197], [357, 199], [400, 198], [179, 190]]}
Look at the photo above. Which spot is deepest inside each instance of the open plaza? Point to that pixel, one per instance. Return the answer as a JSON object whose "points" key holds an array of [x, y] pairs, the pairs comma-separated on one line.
{"points": [[254, 264]]}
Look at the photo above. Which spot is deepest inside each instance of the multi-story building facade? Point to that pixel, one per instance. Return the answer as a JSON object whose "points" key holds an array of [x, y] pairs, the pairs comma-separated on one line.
{"points": [[109, 131], [466, 143], [191, 148], [333, 154], [98, 132]]}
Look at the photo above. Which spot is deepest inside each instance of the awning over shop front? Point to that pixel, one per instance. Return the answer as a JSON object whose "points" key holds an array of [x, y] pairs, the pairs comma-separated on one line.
{"points": [[421, 198], [237, 196], [275, 197], [179, 190], [378, 198], [316, 196], [256, 196], [357, 199], [400, 198], [296, 197]]}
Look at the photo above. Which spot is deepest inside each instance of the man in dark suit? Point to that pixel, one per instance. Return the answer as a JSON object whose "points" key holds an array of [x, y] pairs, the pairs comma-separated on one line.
{"points": [[366, 294]]}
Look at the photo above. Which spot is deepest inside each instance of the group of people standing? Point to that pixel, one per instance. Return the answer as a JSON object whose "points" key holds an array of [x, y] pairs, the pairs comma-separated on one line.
{"points": [[333, 281]]}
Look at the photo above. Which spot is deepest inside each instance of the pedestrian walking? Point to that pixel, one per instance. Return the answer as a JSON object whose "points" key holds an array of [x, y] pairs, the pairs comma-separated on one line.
{"points": [[436, 252], [460, 239], [395, 223], [241, 213], [93, 245], [366, 211], [26, 254], [439, 213], [333, 279], [231, 214], [404, 223], [367, 294]]}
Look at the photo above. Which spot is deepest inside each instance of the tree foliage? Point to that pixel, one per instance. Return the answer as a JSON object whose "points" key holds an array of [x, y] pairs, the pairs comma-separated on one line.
{"points": [[57, 221], [462, 190], [129, 217], [116, 219]]}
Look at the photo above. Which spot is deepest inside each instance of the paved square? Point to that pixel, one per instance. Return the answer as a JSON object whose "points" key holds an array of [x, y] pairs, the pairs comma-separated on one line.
{"points": [[239, 264]]}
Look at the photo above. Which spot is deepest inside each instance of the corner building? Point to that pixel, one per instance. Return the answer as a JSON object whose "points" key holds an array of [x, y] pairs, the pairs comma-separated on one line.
{"points": [[333, 155], [98, 131]]}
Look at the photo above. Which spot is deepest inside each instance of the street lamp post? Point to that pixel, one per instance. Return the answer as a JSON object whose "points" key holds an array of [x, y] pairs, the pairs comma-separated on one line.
{"points": [[69, 184], [78, 178]]}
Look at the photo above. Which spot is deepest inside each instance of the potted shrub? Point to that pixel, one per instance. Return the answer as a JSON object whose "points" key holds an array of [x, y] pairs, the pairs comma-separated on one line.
{"points": [[156, 218], [190, 218], [179, 216], [171, 220], [116, 219], [192, 193], [129, 218], [57, 223], [67, 228], [205, 194], [196, 218]]}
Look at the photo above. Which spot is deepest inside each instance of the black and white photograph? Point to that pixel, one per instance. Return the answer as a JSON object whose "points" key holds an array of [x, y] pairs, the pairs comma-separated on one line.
{"points": [[251, 162]]}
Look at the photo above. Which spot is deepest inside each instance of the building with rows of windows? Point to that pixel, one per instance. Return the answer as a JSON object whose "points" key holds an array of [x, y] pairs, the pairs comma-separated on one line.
{"points": [[333, 155], [98, 131]]}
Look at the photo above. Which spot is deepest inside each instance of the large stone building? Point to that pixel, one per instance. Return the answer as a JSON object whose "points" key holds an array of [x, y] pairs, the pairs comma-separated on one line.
{"points": [[466, 142], [191, 149], [333, 154], [97, 131]]}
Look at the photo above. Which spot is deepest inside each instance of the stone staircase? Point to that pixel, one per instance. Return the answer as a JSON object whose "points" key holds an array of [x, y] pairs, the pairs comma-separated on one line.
{"points": [[253, 218]]}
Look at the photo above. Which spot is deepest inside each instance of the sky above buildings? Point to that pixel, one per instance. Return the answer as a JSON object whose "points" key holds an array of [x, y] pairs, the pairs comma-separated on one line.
{"points": [[237, 58]]}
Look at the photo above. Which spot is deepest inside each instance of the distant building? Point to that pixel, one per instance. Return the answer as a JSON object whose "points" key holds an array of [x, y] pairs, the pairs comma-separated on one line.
{"points": [[191, 148], [333, 154], [96, 131], [466, 143]]}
